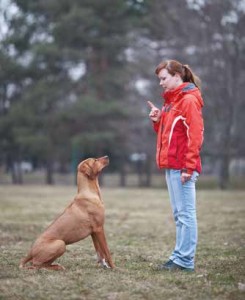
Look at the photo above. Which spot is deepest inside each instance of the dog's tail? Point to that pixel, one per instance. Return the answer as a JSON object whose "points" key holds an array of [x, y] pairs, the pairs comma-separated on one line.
{"points": [[25, 260]]}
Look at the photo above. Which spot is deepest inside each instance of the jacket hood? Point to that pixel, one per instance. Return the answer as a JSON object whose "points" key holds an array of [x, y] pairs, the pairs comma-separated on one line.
{"points": [[184, 89]]}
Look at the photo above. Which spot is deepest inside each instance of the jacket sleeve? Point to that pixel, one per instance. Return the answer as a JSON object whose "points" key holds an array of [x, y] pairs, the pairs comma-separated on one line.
{"points": [[194, 123], [156, 126]]}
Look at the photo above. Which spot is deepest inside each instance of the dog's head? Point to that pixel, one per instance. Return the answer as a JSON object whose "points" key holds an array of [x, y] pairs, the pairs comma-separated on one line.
{"points": [[91, 167]]}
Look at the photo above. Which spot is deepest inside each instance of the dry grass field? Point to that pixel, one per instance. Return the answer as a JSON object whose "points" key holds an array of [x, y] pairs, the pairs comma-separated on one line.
{"points": [[140, 234]]}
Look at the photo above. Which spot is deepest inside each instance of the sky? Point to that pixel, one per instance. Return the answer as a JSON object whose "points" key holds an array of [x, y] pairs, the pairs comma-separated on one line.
{"points": [[6, 9]]}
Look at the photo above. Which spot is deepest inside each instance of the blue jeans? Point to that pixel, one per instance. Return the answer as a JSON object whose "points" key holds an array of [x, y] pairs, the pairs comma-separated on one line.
{"points": [[183, 203]]}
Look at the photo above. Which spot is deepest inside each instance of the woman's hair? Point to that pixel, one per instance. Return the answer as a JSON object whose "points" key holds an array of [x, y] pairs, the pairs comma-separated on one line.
{"points": [[173, 67]]}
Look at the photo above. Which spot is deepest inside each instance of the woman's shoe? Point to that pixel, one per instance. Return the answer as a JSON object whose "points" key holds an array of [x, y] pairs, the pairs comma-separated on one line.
{"points": [[165, 265], [175, 267]]}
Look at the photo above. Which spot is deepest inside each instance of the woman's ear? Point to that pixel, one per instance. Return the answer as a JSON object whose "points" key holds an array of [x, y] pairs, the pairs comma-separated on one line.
{"points": [[178, 77]]}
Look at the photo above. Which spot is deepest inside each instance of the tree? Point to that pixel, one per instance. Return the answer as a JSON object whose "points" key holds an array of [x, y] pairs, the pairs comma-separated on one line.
{"points": [[221, 50], [10, 90], [51, 39]]}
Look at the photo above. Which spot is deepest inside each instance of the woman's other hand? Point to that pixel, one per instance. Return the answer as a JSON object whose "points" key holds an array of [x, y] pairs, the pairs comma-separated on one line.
{"points": [[185, 177]]}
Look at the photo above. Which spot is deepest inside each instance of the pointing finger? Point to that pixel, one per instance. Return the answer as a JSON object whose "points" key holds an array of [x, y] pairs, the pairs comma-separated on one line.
{"points": [[151, 104]]}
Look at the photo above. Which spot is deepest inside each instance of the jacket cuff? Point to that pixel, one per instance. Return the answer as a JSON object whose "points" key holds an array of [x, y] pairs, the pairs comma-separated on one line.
{"points": [[156, 125], [188, 171]]}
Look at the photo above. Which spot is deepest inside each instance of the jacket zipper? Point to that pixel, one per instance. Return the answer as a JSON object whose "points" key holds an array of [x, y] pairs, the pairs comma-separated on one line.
{"points": [[160, 149]]}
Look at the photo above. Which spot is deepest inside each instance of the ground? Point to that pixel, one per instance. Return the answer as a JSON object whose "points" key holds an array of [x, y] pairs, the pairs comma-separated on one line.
{"points": [[140, 234]]}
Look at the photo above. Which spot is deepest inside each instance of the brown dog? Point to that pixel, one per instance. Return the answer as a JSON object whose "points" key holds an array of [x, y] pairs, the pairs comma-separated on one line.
{"points": [[84, 216]]}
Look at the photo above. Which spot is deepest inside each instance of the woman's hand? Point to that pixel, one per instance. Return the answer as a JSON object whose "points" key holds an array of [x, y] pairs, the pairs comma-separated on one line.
{"points": [[185, 177], [155, 113]]}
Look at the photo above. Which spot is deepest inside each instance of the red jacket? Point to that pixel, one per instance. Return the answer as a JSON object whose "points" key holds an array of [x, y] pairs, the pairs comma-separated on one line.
{"points": [[180, 129]]}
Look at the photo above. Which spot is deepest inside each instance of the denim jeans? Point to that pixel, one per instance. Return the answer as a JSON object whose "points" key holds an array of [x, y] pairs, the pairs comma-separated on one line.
{"points": [[183, 203]]}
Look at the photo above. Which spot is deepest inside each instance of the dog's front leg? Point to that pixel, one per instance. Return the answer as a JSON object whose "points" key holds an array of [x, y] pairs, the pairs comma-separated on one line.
{"points": [[97, 249], [106, 256]]}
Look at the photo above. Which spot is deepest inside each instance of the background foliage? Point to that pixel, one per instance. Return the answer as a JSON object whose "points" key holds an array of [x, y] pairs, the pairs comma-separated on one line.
{"points": [[75, 77]]}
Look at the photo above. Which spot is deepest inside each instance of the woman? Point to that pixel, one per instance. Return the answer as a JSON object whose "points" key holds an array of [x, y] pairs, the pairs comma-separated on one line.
{"points": [[179, 128]]}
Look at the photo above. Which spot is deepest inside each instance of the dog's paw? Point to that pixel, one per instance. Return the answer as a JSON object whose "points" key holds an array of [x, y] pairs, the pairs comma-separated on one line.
{"points": [[105, 264]]}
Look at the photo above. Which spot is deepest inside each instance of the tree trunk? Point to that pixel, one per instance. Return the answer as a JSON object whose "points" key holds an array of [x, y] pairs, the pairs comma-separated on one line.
{"points": [[49, 173], [148, 171], [224, 172], [122, 176], [140, 172], [14, 165], [16, 173], [144, 172]]}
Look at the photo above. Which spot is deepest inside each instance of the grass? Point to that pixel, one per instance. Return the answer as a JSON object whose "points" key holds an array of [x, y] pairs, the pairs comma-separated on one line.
{"points": [[140, 233]]}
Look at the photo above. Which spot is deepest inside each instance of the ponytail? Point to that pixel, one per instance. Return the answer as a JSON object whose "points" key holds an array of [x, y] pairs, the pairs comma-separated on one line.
{"points": [[189, 76]]}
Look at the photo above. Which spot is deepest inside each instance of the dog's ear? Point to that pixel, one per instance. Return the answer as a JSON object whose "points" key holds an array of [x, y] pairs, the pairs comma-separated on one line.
{"points": [[86, 169]]}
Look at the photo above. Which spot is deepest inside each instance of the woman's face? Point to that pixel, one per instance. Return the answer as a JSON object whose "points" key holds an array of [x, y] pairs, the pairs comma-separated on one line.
{"points": [[168, 81]]}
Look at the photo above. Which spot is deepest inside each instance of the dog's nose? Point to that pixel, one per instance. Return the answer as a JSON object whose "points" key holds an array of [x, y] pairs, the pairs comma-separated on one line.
{"points": [[106, 159]]}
